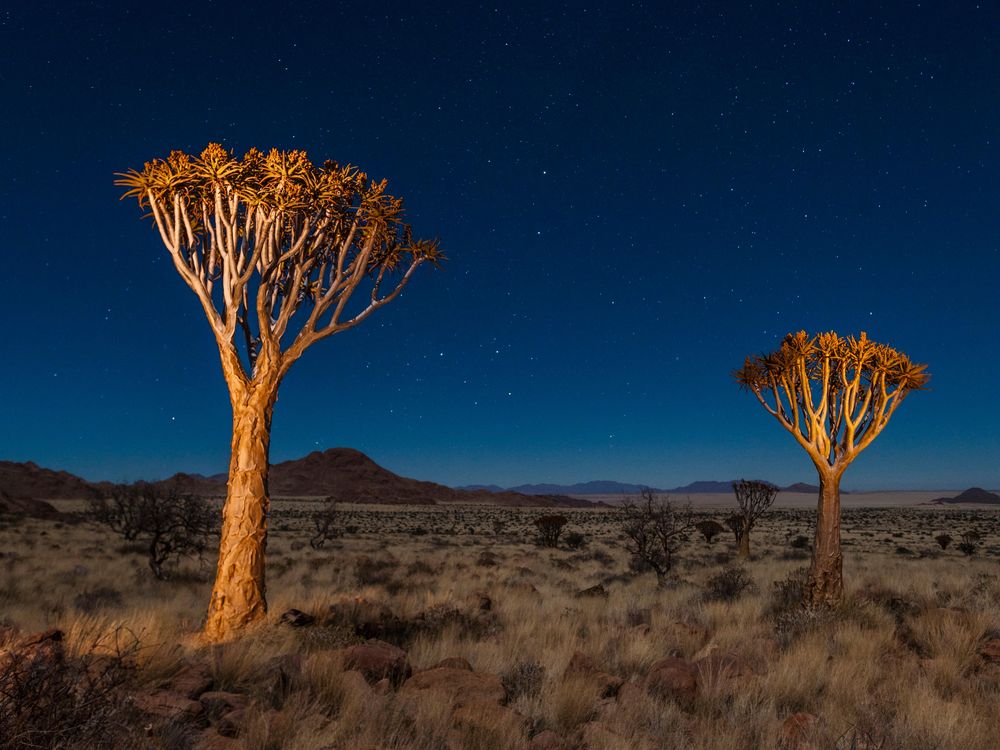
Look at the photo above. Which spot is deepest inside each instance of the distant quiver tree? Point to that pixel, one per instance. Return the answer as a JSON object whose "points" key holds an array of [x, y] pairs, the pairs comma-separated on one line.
{"points": [[754, 498], [834, 394], [280, 253]]}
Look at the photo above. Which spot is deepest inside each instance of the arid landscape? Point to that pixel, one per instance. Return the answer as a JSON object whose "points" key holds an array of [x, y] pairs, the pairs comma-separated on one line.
{"points": [[450, 627]]}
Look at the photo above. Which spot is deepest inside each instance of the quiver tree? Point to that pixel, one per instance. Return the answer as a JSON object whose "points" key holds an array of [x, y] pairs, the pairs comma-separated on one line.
{"points": [[754, 499], [834, 395], [280, 253]]}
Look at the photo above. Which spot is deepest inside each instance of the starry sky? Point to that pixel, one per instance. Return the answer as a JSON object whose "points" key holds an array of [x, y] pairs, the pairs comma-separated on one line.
{"points": [[633, 197]]}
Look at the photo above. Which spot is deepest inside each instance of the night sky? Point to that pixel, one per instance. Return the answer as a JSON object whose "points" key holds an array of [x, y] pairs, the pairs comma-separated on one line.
{"points": [[632, 199]]}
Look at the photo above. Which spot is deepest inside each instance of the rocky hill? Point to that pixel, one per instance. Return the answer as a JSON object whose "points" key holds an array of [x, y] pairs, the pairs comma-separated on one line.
{"points": [[344, 473], [973, 495]]}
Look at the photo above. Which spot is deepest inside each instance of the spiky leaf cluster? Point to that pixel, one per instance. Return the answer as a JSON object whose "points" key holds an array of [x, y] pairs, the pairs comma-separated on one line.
{"points": [[261, 237], [833, 393]]}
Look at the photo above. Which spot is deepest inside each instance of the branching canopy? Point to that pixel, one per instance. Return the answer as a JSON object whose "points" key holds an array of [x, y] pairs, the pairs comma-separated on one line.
{"points": [[754, 498], [272, 237], [833, 394]]}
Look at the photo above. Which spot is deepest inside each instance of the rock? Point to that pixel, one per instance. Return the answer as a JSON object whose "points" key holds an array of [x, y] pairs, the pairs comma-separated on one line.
{"points": [[455, 662], [548, 740], [192, 680], [296, 618], [377, 660], [594, 735], [798, 730], [582, 667], [218, 703], [38, 652], [990, 651], [486, 716], [460, 686], [593, 591], [382, 687], [167, 704], [673, 678]]}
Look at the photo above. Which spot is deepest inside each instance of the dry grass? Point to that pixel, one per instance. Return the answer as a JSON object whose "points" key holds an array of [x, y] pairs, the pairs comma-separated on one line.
{"points": [[898, 667]]}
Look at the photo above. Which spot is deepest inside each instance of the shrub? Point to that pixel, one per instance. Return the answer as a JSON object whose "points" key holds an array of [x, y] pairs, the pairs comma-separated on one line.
{"points": [[549, 529], [943, 540], [654, 531], [93, 600], [709, 529], [324, 523], [170, 524], [800, 542], [575, 540], [523, 679], [728, 585]]}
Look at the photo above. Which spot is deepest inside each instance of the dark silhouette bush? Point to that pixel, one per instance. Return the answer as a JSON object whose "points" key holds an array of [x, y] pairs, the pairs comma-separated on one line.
{"points": [[728, 585], [550, 529]]}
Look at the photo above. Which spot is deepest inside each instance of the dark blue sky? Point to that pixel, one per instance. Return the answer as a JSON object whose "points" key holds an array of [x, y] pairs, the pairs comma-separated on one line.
{"points": [[632, 199]]}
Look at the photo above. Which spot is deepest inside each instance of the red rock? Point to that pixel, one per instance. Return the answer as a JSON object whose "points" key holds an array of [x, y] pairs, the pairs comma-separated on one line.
{"points": [[460, 686], [377, 660], [582, 667], [673, 678], [231, 722], [455, 662], [191, 680]]}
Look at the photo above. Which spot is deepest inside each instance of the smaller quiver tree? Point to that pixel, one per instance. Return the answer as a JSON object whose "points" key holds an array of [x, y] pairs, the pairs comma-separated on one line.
{"points": [[834, 394], [754, 499]]}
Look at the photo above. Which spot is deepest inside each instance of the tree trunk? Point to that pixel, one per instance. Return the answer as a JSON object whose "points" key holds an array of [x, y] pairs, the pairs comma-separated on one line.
{"points": [[825, 585], [744, 550], [238, 594]]}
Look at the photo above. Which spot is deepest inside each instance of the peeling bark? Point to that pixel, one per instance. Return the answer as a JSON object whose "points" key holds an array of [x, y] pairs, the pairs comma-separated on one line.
{"points": [[744, 548], [238, 596], [825, 585]]}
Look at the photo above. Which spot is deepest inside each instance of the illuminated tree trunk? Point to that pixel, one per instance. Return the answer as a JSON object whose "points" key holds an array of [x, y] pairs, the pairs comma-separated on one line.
{"points": [[238, 594], [744, 550], [825, 585]]}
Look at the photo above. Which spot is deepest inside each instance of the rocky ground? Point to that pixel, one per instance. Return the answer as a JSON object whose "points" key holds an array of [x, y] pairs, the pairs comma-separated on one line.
{"points": [[449, 628]]}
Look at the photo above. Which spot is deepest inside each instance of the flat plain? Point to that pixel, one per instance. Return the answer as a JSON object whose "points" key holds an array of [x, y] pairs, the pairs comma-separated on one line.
{"points": [[449, 627]]}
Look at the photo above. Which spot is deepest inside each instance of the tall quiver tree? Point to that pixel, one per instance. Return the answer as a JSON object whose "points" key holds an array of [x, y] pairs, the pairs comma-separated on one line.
{"points": [[754, 499], [281, 253], [834, 395]]}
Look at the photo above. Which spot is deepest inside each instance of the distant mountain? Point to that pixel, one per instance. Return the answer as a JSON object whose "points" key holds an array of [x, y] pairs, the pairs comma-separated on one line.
{"points": [[28, 479], [346, 474], [481, 488], [974, 495], [810, 489]]}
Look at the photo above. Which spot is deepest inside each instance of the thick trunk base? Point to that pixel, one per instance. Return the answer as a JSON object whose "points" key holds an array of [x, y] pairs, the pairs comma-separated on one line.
{"points": [[238, 596], [744, 546], [825, 584]]}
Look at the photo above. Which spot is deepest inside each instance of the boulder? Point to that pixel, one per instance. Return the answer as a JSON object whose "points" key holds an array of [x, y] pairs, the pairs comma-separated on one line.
{"points": [[459, 685], [673, 678], [377, 660], [455, 662], [594, 591], [193, 679], [480, 602], [582, 667]]}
